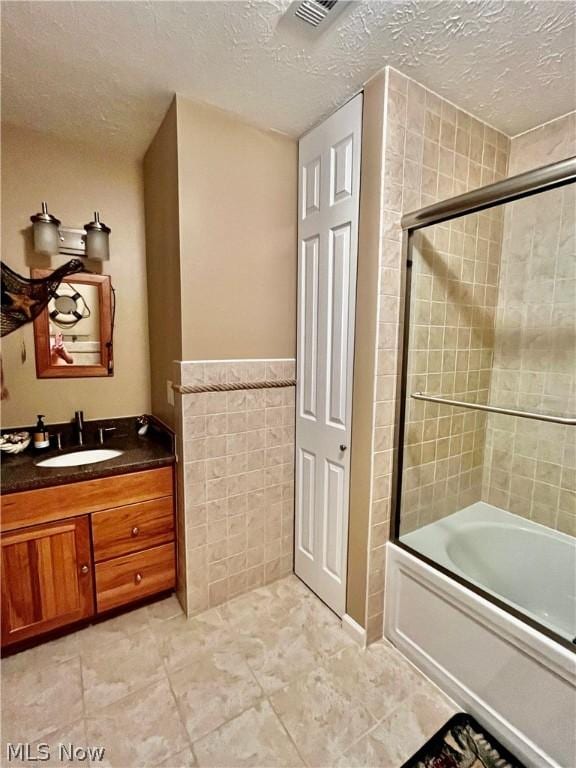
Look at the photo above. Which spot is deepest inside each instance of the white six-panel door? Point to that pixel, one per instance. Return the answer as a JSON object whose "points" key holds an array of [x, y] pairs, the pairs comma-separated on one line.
{"points": [[328, 199]]}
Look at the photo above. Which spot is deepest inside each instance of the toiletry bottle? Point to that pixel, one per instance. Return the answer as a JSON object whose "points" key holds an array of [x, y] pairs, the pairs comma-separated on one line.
{"points": [[41, 436]]}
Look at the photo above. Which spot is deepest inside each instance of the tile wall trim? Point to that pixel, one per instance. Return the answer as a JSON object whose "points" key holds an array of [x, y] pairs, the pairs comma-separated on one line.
{"points": [[195, 389]]}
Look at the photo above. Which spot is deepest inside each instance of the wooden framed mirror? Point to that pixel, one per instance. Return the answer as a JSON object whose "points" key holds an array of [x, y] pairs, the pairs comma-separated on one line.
{"points": [[73, 335]]}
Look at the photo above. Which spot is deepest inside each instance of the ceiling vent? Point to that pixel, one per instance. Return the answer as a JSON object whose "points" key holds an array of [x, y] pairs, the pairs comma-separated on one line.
{"points": [[314, 16], [314, 12]]}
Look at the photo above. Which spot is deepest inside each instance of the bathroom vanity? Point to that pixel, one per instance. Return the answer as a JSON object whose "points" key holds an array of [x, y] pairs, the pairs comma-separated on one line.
{"points": [[80, 541]]}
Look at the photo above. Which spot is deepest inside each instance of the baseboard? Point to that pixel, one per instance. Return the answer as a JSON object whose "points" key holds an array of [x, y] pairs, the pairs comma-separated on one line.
{"points": [[354, 630]]}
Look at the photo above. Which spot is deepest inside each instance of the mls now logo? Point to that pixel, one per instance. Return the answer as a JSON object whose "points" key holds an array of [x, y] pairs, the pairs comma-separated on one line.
{"points": [[68, 753]]}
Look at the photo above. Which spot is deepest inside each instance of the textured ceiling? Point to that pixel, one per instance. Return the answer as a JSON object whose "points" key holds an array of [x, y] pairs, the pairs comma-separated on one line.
{"points": [[105, 71]]}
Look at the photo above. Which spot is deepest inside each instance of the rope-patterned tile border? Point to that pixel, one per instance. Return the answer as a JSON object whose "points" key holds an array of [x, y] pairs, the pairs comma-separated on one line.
{"points": [[192, 389]]}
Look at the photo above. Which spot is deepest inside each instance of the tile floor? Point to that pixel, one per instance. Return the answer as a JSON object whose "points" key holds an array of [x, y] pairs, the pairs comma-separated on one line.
{"points": [[268, 679]]}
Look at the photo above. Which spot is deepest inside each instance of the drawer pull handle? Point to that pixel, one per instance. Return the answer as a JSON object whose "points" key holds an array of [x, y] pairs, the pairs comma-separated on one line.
{"points": [[84, 569], [135, 531], [138, 578]]}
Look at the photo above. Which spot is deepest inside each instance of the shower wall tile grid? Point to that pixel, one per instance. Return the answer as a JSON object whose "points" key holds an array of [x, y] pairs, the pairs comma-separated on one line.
{"points": [[432, 151], [236, 480], [530, 466], [452, 333]]}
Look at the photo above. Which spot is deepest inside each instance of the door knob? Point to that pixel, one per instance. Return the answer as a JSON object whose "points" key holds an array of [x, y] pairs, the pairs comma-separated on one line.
{"points": [[84, 569], [343, 447]]}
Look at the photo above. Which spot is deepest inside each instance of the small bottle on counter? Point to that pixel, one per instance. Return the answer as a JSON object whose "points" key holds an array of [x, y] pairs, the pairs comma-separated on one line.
{"points": [[41, 435], [142, 425]]}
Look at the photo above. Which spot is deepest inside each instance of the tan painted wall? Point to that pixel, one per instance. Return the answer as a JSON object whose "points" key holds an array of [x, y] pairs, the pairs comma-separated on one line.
{"points": [[237, 187], [163, 261], [76, 180]]}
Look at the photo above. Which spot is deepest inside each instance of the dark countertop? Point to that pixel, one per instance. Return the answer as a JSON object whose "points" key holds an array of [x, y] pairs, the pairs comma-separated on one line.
{"points": [[155, 449]]}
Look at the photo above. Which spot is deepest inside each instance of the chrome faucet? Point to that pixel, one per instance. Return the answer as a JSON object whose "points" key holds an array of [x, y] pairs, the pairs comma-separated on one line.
{"points": [[58, 439], [103, 431], [79, 424]]}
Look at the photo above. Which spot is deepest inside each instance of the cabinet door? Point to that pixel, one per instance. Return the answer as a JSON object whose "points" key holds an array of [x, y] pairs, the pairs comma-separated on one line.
{"points": [[46, 578]]}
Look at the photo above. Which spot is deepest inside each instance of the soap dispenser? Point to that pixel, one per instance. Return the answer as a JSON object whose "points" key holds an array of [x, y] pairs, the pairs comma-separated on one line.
{"points": [[41, 436]]}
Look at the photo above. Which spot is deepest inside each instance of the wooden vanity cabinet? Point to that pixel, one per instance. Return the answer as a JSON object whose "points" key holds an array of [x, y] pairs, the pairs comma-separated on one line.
{"points": [[47, 578], [71, 552]]}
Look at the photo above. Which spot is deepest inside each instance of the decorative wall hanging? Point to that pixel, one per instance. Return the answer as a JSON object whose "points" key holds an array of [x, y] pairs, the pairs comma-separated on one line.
{"points": [[23, 299]]}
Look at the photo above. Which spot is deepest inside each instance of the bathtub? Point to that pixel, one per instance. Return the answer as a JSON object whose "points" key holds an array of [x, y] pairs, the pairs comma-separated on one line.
{"points": [[511, 676], [529, 566]]}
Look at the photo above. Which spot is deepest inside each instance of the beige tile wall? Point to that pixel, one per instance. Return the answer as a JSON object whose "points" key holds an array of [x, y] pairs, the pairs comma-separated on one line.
{"points": [[530, 467], [236, 467], [455, 278], [432, 151]]}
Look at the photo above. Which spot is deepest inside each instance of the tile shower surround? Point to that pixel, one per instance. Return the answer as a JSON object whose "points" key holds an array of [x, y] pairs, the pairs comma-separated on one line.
{"points": [[432, 151], [452, 336], [530, 466], [236, 479]]}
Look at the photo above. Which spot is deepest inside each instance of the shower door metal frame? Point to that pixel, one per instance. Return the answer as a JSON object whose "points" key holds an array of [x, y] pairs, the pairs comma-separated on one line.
{"points": [[517, 187]]}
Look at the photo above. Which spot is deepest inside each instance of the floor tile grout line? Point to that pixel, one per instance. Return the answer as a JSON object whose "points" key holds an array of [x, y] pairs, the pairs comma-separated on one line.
{"points": [[293, 602], [429, 680], [105, 647], [265, 696], [46, 734], [379, 721], [376, 720], [191, 741], [98, 710], [285, 728], [103, 622], [82, 690], [299, 676], [229, 720], [178, 710]]}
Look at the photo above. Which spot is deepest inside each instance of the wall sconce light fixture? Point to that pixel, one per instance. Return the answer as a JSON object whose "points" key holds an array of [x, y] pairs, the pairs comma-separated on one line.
{"points": [[50, 238]]}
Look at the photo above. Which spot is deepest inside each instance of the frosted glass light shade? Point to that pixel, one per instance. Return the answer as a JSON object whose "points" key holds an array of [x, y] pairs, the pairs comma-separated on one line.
{"points": [[97, 239], [46, 232], [46, 238], [97, 247]]}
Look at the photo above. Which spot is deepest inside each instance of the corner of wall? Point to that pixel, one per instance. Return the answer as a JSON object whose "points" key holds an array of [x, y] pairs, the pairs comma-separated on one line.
{"points": [[365, 351], [163, 260]]}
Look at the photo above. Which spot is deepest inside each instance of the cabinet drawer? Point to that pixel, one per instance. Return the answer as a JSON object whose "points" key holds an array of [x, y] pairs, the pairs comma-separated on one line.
{"points": [[131, 577], [132, 528], [64, 501]]}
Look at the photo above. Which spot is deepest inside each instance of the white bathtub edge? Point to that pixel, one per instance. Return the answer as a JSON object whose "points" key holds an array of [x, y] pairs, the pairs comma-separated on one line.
{"points": [[524, 645]]}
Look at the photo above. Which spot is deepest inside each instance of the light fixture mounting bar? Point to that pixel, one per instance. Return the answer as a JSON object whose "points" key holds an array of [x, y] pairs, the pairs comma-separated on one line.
{"points": [[72, 241]]}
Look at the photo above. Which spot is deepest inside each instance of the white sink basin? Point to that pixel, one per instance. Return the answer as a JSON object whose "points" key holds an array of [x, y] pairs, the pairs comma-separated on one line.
{"points": [[78, 458]]}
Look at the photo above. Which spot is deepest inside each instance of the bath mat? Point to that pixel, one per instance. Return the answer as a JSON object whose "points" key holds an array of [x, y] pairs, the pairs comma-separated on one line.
{"points": [[462, 743]]}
